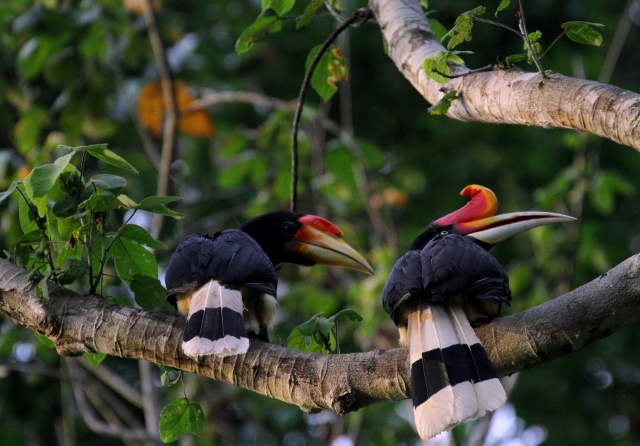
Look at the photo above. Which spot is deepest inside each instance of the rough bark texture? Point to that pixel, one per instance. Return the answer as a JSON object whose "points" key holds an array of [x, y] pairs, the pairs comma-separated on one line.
{"points": [[507, 96], [341, 382]]}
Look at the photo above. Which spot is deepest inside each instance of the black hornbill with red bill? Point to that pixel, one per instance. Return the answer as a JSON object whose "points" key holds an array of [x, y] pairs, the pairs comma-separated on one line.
{"points": [[218, 282], [446, 283]]}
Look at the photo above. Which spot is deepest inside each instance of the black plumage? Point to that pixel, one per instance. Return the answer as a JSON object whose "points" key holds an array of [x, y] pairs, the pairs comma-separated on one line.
{"points": [[447, 265], [232, 257]]}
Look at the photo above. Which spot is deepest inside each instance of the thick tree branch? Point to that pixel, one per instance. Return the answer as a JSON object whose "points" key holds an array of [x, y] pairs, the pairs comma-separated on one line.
{"points": [[342, 382], [507, 96]]}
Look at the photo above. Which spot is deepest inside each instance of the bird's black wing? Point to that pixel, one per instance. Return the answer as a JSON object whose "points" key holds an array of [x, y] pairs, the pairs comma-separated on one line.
{"points": [[405, 277], [232, 257], [455, 265]]}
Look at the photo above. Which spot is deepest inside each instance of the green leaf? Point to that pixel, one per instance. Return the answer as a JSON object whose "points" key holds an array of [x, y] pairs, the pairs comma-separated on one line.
{"points": [[535, 36], [279, 6], [438, 28], [178, 418], [348, 313], [169, 376], [44, 340], [108, 181], [95, 358], [442, 106], [149, 293], [7, 193], [131, 258], [156, 204], [309, 13], [515, 58], [462, 27], [140, 235], [43, 177], [584, 32], [26, 218], [101, 152], [437, 67], [503, 5], [330, 70], [257, 30], [74, 270], [100, 201], [27, 131]]}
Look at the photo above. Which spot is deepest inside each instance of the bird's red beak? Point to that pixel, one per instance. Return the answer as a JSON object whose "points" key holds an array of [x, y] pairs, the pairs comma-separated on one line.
{"points": [[477, 218], [321, 241]]}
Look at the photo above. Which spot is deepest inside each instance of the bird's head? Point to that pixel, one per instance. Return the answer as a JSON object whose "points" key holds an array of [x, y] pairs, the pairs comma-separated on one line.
{"points": [[304, 239], [477, 219]]}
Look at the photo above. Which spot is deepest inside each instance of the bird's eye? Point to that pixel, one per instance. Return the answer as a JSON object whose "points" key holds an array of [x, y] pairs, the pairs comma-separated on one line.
{"points": [[289, 228], [445, 232]]}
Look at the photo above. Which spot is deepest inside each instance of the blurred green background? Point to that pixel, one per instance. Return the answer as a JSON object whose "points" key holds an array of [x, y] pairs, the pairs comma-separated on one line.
{"points": [[71, 72]]}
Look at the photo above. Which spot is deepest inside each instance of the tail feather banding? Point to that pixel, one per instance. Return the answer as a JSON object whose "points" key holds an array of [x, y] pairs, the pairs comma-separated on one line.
{"points": [[215, 324], [452, 378]]}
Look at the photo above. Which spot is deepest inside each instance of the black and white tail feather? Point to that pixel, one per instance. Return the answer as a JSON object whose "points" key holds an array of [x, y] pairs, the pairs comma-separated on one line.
{"points": [[215, 323], [452, 378]]}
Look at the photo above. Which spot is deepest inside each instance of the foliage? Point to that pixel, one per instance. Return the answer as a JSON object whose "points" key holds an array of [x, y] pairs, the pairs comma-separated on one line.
{"points": [[72, 73]]}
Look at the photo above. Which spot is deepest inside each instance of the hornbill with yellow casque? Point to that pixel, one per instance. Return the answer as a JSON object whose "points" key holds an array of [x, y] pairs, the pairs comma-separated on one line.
{"points": [[220, 282], [446, 283]]}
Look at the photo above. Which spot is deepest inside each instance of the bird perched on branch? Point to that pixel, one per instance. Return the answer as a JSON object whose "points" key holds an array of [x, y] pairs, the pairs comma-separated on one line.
{"points": [[446, 283], [223, 281]]}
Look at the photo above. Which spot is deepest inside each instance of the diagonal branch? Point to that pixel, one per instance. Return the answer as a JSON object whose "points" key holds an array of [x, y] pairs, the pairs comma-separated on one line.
{"points": [[342, 382], [507, 96]]}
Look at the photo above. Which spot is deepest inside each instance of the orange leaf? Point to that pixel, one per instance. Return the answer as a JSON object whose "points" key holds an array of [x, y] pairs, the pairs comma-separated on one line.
{"points": [[137, 6], [151, 109]]}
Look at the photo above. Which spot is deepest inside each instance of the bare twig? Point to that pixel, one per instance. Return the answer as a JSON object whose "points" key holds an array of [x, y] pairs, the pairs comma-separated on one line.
{"points": [[91, 419], [170, 109], [114, 381], [558, 37], [619, 38]]}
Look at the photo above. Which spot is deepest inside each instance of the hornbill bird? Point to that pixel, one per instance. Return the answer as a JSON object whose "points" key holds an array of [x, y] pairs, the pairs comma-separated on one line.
{"points": [[218, 282], [443, 286]]}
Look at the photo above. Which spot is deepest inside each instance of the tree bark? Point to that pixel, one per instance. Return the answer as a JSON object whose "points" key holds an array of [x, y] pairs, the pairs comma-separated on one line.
{"points": [[341, 382], [506, 96]]}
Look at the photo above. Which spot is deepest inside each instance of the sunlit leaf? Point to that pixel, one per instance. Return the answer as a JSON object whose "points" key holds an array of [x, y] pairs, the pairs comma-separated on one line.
{"points": [[95, 358], [438, 28], [279, 6], [442, 106], [515, 58], [462, 27], [504, 4], [178, 418], [584, 32], [330, 70]]}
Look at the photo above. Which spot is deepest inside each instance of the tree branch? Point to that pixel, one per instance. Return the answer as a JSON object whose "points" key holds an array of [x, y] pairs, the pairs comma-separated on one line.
{"points": [[341, 382], [507, 96]]}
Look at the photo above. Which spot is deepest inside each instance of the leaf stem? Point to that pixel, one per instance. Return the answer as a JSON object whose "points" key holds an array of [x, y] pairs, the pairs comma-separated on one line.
{"points": [[522, 24], [498, 24], [360, 15], [552, 44]]}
